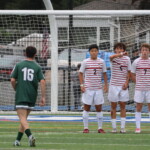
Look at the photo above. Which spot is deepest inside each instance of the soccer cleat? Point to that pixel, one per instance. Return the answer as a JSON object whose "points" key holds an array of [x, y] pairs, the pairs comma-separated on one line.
{"points": [[114, 130], [101, 131], [31, 141], [138, 130], [86, 131], [122, 130], [16, 143]]}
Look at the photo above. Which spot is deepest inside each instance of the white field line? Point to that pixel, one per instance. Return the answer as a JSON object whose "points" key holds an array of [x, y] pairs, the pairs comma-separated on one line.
{"points": [[62, 113]]}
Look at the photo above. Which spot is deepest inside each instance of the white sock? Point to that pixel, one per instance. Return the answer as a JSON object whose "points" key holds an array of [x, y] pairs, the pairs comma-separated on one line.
{"points": [[85, 116], [113, 121], [100, 119], [123, 122], [138, 119]]}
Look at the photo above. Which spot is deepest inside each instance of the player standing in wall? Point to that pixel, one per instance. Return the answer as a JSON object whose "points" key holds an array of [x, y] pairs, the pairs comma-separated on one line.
{"points": [[90, 75], [24, 79], [141, 76], [118, 89]]}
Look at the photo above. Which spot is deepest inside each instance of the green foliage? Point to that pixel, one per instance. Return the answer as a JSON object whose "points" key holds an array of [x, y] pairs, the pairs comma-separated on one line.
{"points": [[57, 4], [22, 4], [38, 4]]}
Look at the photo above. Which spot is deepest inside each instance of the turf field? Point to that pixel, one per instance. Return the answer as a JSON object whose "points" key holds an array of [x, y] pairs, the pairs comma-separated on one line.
{"points": [[67, 135]]}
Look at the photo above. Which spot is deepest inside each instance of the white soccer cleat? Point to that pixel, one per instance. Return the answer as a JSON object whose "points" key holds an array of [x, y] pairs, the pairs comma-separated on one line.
{"points": [[122, 130], [31, 141], [138, 130], [114, 130], [16, 143]]}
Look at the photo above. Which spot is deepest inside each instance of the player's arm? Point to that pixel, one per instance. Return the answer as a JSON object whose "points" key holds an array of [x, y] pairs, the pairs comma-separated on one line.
{"points": [[105, 77], [13, 83], [133, 71], [14, 75], [42, 84], [133, 77], [105, 82], [126, 84], [81, 79], [117, 55], [81, 76]]}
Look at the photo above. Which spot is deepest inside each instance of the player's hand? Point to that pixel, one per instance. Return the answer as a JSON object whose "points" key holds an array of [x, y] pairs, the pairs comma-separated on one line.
{"points": [[82, 89], [124, 86], [105, 89], [123, 54], [42, 102]]}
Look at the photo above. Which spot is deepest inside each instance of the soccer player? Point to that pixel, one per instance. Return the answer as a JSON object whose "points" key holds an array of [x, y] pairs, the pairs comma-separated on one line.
{"points": [[141, 76], [90, 74], [118, 89], [24, 79]]}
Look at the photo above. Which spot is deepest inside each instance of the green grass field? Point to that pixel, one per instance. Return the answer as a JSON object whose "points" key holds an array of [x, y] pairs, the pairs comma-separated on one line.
{"points": [[69, 136]]}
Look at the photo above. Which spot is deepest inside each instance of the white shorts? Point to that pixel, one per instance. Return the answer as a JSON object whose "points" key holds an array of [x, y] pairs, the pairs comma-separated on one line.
{"points": [[141, 96], [93, 97], [117, 94]]}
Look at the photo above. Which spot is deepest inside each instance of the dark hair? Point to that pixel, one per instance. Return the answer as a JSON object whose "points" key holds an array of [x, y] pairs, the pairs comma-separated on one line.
{"points": [[93, 46], [120, 45], [30, 51], [78, 66], [134, 51], [145, 45]]}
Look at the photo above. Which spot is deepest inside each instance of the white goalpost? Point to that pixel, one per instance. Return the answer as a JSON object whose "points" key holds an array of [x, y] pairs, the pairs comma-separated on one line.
{"points": [[62, 38]]}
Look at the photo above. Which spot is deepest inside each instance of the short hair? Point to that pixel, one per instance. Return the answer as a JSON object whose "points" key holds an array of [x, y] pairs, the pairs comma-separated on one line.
{"points": [[30, 51], [93, 46], [134, 51], [145, 45], [120, 45], [78, 66]]}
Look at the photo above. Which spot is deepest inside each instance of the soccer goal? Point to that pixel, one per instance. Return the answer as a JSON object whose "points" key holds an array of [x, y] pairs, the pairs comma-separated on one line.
{"points": [[62, 39]]}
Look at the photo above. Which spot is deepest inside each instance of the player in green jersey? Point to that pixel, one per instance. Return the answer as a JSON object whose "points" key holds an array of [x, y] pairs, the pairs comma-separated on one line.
{"points": [[24, 79]]}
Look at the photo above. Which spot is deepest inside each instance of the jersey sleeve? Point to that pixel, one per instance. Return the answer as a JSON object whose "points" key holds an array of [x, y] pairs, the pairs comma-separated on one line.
{"points": [[82, 68], [14, 73], [129, 64], [40, 75], [133, 69]]}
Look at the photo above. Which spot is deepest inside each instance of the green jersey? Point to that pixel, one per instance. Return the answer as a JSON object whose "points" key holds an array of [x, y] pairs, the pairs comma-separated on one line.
{"points": [[27, 74]]}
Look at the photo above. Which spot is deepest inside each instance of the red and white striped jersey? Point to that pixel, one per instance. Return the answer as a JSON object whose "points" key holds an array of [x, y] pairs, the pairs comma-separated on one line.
{"points": [[119, 70], [141, 67], [92, 70]]}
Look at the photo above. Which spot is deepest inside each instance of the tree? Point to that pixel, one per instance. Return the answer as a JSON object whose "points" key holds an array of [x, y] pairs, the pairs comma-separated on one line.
{"points": [[144, 4]]}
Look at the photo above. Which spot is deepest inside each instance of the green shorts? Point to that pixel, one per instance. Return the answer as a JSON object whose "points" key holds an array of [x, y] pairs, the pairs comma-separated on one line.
{"points": [[24, 105]]}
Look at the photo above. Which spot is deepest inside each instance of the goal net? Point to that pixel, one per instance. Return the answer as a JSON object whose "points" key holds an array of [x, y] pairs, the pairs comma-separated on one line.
{"points": [[68, 38]]}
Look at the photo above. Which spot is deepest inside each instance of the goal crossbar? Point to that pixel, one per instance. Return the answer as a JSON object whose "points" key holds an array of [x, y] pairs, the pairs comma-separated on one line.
{"points": [[75, 12]]}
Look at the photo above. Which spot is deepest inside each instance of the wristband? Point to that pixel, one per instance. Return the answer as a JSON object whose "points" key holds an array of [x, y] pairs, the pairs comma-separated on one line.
{"points": [[81, 85]]}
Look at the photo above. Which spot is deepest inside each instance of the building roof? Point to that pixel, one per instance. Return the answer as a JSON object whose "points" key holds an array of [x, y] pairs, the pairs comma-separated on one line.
{"points": [[109, 5]]}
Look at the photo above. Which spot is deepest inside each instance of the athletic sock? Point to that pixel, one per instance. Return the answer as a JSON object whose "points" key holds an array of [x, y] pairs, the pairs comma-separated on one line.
{"points": [[123, 122], [113, 121], [28, 132], [138, 119], [19, 136], [85, 119], [100, 119]]}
